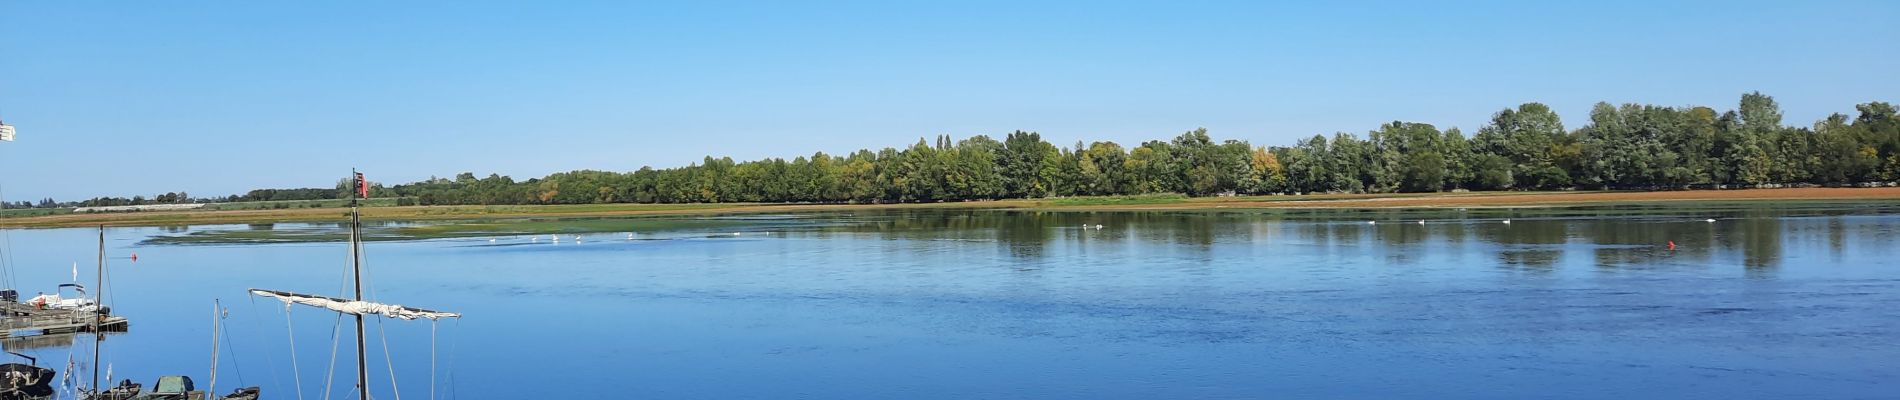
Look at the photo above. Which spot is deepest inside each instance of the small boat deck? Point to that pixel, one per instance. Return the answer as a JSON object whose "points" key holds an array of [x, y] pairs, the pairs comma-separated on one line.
{"points": [[21, 320]]}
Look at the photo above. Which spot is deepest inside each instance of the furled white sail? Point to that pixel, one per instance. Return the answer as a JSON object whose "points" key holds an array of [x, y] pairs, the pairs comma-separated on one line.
{"points": [[355, 307], [6, 133]]}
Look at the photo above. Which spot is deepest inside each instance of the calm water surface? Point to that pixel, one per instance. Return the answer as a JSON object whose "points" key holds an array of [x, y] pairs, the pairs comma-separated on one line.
{"points": [[960, 305]]}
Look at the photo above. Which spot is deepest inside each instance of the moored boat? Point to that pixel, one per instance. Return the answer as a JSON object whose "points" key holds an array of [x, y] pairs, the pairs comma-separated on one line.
{"points": [[25, 381]]}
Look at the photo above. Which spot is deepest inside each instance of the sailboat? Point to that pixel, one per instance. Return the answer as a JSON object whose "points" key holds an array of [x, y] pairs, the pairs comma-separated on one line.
{"points": [[25, 381], [356, 306]]}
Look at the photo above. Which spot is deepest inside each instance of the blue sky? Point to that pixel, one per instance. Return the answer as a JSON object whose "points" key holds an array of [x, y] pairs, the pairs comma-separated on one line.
{"points": [[123, 98]]}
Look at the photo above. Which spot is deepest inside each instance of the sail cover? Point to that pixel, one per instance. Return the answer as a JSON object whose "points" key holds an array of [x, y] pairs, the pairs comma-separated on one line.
{"points": [[355, 307]]}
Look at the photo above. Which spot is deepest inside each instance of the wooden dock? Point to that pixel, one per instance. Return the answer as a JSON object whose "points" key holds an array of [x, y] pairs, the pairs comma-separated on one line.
{"points": [[21, 320]]}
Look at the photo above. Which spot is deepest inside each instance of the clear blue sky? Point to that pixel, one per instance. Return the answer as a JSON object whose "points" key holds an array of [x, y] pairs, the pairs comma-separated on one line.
{"points": [[123, 98]]}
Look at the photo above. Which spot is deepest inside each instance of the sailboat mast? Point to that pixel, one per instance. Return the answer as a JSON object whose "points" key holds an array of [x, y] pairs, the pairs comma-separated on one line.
{"points": [[217, 317], [98, 307], [356, 269]]}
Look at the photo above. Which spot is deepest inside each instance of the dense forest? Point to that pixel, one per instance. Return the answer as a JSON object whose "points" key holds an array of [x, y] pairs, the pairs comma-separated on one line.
{"points": [[1524, 148]]}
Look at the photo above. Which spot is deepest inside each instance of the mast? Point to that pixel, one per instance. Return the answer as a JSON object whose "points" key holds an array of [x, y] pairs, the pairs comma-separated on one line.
{"points": [[217, 317], [356, 270], [98, 307]]}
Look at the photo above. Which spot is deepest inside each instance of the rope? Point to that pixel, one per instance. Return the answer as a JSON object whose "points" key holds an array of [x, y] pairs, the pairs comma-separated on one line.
{"points": [[451, 384], [329, 377], [388, 360], [272, 364], [336, 329], [432, 383], [108, 294], [106, 291], [6, 250], [369, 294], [297, 374], [231, 348]]}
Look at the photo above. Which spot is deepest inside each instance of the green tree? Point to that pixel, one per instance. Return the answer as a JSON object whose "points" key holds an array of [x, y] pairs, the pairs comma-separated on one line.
{"points": [[1029, 165], [1526, 136], [1269, 174]]}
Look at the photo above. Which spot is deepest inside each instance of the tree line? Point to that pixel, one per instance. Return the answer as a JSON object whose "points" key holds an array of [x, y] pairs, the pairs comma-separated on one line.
{"points": [[1631, 146]]}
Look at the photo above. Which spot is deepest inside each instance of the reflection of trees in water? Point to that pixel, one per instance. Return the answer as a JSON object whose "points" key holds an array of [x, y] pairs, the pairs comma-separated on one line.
{"points": [[1330, 235], [1024, 234], [1758, 235], [1836, 238], [1621, 243], [1401, 233], [1535, 244], [1875, 240], [1027, 234], [1409, 235], [1538, 244], [1453, 233], [1346, 233]]}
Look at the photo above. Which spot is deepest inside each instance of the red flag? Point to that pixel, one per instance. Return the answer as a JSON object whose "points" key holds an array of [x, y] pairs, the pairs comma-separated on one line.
{"points": [[362, 186]]}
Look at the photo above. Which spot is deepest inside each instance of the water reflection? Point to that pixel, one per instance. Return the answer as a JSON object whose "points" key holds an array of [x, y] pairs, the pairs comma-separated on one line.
{"points": [[1755, 239]]}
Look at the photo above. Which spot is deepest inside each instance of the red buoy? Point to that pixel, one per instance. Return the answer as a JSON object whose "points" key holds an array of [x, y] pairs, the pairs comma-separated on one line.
{"points": [[135, 256], [1672, 245]]}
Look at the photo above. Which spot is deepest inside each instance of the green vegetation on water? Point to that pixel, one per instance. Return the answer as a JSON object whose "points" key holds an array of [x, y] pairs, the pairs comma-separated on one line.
{"points": [[332, 232]]}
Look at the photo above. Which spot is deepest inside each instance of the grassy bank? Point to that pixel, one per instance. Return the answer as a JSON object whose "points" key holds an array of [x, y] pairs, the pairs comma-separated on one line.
{"points": [[238, 214]]}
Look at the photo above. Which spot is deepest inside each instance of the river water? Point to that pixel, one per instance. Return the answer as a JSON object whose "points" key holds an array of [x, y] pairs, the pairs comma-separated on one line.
{"points": [[999, 305]]}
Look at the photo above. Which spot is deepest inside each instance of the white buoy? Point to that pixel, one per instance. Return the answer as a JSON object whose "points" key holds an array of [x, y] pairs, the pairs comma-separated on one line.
{"points": [[1098, 226], [1507, 221], [735, 233], [491, 240], [1709, 220], [1372, 222], [1421, 222]]}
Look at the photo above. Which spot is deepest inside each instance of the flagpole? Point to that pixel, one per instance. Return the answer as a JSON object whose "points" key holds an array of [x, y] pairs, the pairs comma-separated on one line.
{"points": [[356, 267]]}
